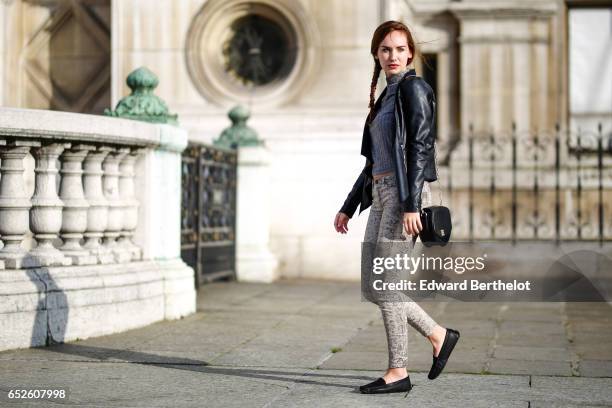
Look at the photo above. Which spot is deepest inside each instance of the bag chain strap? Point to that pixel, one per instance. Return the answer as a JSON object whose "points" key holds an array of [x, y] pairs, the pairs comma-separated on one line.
{"points": [[436, 169]]}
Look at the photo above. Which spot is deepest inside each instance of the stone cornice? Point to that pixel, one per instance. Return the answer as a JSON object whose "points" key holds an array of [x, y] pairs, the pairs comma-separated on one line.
{"points": [[484, 8], [503, 39], [424, 9], [52, 125], [504, 9]]}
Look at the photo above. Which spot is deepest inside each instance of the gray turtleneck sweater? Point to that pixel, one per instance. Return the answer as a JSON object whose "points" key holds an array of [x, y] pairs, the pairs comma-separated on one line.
{"points": [[382, 128]]}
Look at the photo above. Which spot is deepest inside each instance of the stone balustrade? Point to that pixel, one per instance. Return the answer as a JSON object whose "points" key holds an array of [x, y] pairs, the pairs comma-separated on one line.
{"points": [[107, 215], [105, 205]]}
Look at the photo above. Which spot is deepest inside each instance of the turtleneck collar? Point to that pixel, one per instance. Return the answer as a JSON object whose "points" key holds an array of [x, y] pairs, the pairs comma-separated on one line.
{"points": [[394, 78]]}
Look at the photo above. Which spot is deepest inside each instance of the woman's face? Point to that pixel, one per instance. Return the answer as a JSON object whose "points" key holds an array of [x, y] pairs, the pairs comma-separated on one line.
{"points": [[393, 52]]}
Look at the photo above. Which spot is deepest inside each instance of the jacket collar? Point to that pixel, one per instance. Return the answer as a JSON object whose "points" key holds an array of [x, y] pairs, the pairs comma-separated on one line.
{"points": [[410, 72]]}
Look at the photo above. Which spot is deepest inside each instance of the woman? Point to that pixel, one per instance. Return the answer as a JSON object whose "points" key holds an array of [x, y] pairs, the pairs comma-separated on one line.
{"points": [[384, 180]]}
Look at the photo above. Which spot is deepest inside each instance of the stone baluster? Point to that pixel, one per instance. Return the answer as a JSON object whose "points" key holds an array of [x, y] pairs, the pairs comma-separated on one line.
{"points": [[14, 203], [128, 195], [74, 216], [97, 214], [46, 212], [116, 205]]}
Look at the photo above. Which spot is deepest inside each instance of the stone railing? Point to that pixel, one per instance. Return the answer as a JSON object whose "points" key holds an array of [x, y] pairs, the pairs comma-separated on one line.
{"points": [[93, 197]]}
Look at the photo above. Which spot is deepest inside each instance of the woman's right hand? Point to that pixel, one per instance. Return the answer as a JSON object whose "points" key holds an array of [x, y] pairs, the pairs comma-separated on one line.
{"points": [[341, 222], [412, 223]]}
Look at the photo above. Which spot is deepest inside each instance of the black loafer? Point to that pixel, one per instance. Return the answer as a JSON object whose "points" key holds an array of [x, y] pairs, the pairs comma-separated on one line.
{"points": [[380, 387], [451, 338]]}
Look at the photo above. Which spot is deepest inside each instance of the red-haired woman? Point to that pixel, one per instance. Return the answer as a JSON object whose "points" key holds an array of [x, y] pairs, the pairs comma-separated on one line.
{"points": [[393, 188]]}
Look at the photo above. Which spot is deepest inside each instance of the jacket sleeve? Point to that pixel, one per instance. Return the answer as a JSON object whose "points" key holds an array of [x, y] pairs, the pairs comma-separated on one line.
{"points": [[417, 97], [353, 199]]}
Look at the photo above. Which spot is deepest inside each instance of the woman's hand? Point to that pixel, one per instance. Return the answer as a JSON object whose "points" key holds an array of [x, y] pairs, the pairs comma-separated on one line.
{"points": [[412, 223], [341, 222]]}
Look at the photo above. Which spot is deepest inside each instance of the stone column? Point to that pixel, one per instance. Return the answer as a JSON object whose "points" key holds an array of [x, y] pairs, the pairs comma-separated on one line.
{"points": [[254, 260], [130, 212], [505, 62], [46, 212], [14, 204], [97, 214], [116, 205], [74, 216]]}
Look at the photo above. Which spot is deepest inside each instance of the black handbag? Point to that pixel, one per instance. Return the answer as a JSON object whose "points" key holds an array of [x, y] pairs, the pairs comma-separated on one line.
{"points": [[437, 225], [436, 221]]}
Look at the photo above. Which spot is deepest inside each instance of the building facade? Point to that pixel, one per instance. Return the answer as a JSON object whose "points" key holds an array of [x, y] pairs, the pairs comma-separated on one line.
{"points": [[508, 68]]}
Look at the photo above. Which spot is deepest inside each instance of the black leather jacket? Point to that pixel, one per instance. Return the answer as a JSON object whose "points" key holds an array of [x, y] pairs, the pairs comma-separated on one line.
{"points": [[415, 135]]}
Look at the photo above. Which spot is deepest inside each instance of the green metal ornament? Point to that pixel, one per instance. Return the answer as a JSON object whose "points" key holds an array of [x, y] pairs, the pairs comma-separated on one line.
{"points": [[239, 134], [142, 104]]}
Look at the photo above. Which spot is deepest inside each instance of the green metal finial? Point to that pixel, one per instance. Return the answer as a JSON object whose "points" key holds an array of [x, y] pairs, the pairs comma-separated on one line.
{"points": [[239, 134], [142, 104]]}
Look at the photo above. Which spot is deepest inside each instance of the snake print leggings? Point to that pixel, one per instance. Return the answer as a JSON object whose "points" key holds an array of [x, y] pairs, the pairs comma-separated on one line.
{"points": [[385, 224]]}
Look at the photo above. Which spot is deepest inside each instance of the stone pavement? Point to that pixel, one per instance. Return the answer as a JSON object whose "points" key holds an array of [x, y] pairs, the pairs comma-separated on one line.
{"points": [[312, 343]]}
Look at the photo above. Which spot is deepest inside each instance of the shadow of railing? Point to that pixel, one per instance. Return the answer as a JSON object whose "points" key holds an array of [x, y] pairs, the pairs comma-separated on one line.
{"points": [[51, 316], [180, 363]]}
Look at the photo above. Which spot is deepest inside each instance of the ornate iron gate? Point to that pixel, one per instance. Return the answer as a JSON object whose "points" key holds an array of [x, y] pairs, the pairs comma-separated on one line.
{"points": [[208, 211], [534, 185]]}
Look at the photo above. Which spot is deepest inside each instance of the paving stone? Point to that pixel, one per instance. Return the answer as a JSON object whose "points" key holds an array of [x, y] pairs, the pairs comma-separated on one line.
{"points": [[468, 342], [549, 404], [451, 390], [596, 368], [242, 318], [325, 309], [588, 309], [213, 337], [594, 351], [260, 356], [150, 385], [229, 293], [591, 326], [452, 316], [572, 390], [530, 306], [278, 338], [503, 366], [61, 352], [544, 329], [360, 360], [274, 305], [197, 355], [533, 340], [592, 338], [532, 353], [535, 312], [532, 316], [474, 326]]}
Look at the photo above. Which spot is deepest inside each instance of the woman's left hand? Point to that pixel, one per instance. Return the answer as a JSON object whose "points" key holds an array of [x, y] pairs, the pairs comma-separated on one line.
{"points": [[412, 223]]}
